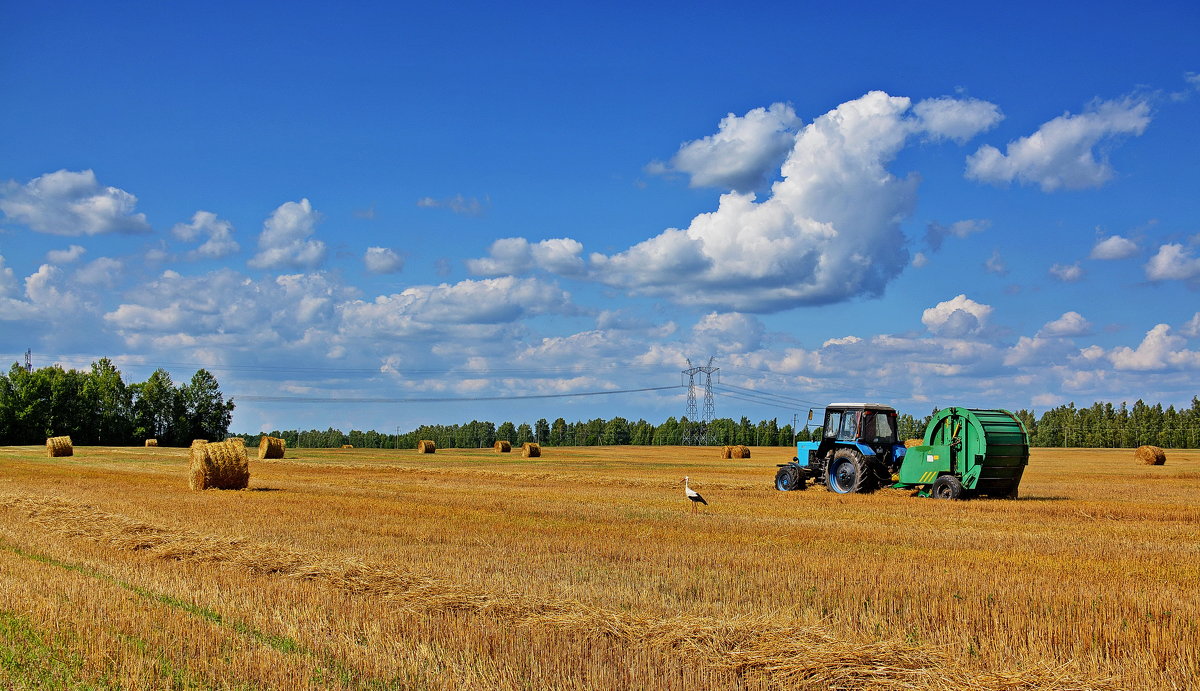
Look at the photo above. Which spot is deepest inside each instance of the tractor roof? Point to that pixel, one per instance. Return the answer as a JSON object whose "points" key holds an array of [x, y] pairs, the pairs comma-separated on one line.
{"points": [[870, 406]]}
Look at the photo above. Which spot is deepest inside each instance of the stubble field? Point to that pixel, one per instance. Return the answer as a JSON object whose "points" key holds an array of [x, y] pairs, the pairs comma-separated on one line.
{"points": [[585, 569]]}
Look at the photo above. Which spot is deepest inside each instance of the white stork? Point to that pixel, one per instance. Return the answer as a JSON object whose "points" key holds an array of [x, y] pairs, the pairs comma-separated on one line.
{"points": [[692, 494]]}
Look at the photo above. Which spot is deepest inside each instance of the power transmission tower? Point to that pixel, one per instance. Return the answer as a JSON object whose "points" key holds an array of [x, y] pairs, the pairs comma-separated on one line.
{"points": [[29, 359], [697, 435]]}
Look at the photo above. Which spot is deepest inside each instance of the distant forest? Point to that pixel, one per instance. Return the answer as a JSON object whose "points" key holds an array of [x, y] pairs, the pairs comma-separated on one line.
{"points": [[97, 407]]}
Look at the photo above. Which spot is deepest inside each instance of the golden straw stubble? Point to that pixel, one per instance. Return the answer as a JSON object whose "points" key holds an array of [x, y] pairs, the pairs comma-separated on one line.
{"points": [[219, 465]]}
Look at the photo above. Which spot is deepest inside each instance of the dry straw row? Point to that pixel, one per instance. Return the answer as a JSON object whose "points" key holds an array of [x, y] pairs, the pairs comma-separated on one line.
{"points": [[787, 655]]}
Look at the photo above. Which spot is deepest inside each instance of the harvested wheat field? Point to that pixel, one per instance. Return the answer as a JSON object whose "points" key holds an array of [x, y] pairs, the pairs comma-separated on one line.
{"points": [[357, 568]]}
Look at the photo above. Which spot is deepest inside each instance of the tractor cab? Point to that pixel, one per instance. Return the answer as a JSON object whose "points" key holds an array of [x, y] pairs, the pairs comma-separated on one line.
{"points": [[869, 425]]}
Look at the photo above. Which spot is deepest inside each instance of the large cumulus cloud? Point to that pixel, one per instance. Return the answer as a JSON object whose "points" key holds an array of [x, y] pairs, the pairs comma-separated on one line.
{"points": [[829, 231]]}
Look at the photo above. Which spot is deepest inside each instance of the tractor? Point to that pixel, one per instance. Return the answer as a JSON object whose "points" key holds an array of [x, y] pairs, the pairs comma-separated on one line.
{"points": [[965, 452]]}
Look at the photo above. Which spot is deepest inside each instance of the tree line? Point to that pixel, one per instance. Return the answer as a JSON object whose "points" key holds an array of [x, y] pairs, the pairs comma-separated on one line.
{"points": [[97, 407]]}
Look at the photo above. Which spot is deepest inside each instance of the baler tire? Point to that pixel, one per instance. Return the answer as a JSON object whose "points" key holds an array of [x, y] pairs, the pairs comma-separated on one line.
{"points": [[847, 472], [946, 487]]}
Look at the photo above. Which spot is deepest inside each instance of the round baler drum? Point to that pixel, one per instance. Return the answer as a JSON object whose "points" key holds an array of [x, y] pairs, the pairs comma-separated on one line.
{"points": [[991, 447]]}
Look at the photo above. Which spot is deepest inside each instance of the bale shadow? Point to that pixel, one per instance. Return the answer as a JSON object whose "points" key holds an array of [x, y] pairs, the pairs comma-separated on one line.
{"points": [[264, 489]]}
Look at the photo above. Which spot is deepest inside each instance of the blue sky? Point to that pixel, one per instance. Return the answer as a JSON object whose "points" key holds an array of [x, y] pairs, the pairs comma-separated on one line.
{"points": [[985, 207]]}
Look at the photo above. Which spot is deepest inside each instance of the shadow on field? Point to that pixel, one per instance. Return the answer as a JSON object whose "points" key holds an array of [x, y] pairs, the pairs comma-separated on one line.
{"points": [[265, 489], [1023, 499]]}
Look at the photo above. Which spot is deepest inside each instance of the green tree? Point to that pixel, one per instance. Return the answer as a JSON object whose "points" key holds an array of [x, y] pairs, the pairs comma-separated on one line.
{"points": [[110, 405], [558, 433], [154, 404], [541, 431], [524, 434], [616, 431], [205, 412], [506, 431]]}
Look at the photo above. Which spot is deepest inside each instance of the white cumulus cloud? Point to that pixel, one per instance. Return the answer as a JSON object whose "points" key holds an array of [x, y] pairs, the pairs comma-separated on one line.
{"points": [[217, 234], [743, 152], [515, 256], [1067, 273], [103, 271], [1114, 247], [1069, 324], [66, 256], [829, 231], [957, 119], [1159, 350], [285, 242], [71, 203], [957, 317], [1061, 154], [1173, 261], [1191, 329], [383, 260]]}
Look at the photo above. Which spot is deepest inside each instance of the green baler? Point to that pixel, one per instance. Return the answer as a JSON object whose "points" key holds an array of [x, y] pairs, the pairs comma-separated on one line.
{"points": [[967, 452]]}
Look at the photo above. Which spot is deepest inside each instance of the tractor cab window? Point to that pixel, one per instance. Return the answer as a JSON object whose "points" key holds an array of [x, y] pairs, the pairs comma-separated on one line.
{"points": [[879, 427], [833, 422], [849, 431]]}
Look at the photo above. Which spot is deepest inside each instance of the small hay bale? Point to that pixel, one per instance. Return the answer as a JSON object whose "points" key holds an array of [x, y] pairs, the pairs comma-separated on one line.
{"points": [[1150, 455], [59, 446], [726, 452], [199, 442], [739, 451], [909, 443], [220, 465], [347, 446], [271, 447], [426, 446], [503, 446], [531, 450], [151, 442]]}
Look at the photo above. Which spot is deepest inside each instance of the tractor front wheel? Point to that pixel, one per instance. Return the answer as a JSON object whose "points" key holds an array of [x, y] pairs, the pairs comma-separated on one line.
{"points": [[947, 487], [848, 472], [789, 478]]}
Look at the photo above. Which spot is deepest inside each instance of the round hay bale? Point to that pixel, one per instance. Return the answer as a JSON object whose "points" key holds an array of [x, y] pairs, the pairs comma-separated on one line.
{"points": [[271, 447], [347, 446], [426, 446], [739, 451], [57, 447], [726, 452], [1150, 455], [151, 442], [531, 450], [238, 440], [503, 446], [909, 443], [199, 442], [220, 465]]}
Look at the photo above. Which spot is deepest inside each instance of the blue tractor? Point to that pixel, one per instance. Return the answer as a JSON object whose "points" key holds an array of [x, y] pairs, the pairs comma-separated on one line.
{"points": [[858, 451]]}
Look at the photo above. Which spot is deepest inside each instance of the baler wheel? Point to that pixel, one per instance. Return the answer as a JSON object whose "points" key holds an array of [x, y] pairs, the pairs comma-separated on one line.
{"points": [[947, 487], [789, 478], [848, 472]]}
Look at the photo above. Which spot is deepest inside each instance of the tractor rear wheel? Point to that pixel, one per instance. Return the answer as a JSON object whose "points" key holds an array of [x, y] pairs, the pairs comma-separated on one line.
{"points": [[848, 473], [947, 487], [789, 478]]}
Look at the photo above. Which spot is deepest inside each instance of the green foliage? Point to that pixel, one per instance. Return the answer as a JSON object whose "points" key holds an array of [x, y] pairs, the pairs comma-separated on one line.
{"points": [[97, 407]]}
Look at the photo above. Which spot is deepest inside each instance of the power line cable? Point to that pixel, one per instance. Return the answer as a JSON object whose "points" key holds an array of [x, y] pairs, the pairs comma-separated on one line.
{"points": [[446, 399]]}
